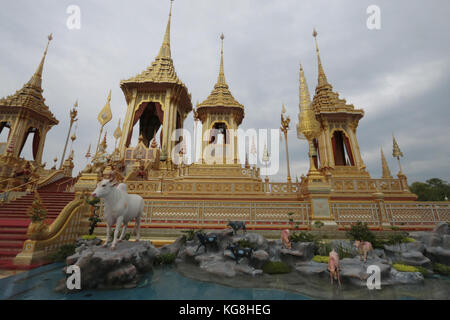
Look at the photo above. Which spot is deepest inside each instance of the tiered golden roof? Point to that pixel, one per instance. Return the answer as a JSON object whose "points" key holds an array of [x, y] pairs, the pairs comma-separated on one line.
{"points": [[30, 96], [325, 100], [161, 71], [221, 96]]}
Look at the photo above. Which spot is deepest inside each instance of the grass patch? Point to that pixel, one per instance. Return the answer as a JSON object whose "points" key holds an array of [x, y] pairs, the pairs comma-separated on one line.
{"points": [[405, 268], [441, 269], [321, 259], [276, 267], [88, 237]]}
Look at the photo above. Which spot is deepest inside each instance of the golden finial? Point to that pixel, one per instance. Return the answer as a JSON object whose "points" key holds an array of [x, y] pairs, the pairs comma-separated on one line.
{"points": [[165, 47], [221, 78], [36, 79], [322, 78]]}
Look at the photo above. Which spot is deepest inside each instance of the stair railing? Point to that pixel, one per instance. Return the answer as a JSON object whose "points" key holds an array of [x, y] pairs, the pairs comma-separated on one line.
{"points": [[5, 194]]}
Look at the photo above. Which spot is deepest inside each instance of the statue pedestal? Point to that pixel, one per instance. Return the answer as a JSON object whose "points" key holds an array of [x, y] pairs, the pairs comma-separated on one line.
{"points": [[318, 191]]}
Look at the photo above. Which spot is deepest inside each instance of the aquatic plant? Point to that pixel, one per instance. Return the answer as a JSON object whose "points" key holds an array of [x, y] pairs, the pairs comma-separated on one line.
{"points": [[276, 267]]}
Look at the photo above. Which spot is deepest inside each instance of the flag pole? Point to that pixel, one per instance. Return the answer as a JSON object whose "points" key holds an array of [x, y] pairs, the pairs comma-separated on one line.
{"points": [[99, 137]]}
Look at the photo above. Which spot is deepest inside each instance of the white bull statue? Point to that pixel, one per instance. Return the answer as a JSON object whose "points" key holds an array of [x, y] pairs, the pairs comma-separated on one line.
{"points": [[120, 207]]}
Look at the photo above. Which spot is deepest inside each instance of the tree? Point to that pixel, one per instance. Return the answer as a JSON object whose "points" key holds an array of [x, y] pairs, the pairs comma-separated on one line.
{"points": [[434, 189]]}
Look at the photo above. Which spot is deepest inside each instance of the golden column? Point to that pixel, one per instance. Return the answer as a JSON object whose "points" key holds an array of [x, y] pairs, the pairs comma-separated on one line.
{"points": [[285, 127], [73, 118]]}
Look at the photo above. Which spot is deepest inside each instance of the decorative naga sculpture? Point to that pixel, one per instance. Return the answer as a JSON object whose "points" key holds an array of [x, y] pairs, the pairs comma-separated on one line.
{"points": [[38, 228]]}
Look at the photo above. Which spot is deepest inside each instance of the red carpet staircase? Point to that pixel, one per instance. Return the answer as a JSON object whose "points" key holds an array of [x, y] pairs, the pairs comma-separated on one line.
{"points": [[14, 220]]}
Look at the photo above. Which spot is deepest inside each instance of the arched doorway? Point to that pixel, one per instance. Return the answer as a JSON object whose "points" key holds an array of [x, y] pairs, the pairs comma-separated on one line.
{"points": [[24, 147], [342, 152], [219, 135], [150, 117]]}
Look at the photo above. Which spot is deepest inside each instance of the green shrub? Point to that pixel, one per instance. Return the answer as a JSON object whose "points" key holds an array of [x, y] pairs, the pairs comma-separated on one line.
{"points": [[276, 267], [318, 224], [303, 237], [321, 259], [441, 269], [397, 238], [88, 236], [360, 231], [405, 268], [323, 249], [344, 252], [190, 234], [63, 252], [166, 258]]}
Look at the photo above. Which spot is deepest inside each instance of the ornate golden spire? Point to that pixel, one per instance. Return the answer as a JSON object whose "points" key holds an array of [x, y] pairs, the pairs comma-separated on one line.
{"points": [[36, 79], [161, 70], [220, 96], [386, 173], [30, 95], [221, 77], [325, 99], [164, 51], [322, 78]]}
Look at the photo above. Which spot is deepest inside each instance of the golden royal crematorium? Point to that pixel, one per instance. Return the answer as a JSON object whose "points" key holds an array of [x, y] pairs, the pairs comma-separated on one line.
{"points": [[337, 189]]}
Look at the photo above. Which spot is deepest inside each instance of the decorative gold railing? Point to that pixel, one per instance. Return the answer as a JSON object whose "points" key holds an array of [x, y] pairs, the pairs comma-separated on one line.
{"points": [[354, 185], [393, 213], [205, 213]]}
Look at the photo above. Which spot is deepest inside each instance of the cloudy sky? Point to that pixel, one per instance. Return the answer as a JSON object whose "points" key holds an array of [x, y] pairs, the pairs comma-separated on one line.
{"points": [[399, 74]]}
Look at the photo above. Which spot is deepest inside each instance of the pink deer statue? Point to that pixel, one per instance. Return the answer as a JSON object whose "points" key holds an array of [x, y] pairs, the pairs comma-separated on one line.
{"points": [[285, 238]]}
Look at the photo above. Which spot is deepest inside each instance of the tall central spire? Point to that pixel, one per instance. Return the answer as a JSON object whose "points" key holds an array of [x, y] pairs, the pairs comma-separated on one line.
{"points": [[36, 79], [164, 52], [221, 77], [322, 78]]}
